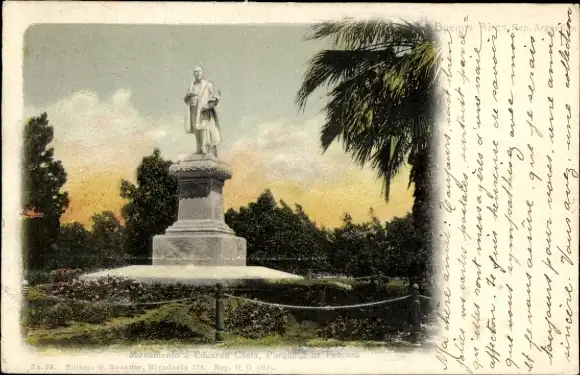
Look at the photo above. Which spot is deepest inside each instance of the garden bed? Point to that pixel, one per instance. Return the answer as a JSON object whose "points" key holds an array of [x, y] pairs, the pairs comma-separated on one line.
{"points": [[119, 311]]}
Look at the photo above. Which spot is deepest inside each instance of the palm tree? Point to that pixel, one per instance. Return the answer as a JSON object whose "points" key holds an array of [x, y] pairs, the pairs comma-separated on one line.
{"points": [[381, 86]]}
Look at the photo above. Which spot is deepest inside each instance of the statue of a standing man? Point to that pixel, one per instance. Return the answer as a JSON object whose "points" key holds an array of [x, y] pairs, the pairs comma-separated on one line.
{"points": [[200, 116]]}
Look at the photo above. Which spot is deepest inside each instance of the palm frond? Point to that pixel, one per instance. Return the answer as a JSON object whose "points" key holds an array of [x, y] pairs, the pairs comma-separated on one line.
{"points": [[331, 66], [349, 34], [381, 78]]}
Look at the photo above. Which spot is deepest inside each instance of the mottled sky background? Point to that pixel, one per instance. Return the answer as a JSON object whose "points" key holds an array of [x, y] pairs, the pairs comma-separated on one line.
{"points": [[115, 92]]}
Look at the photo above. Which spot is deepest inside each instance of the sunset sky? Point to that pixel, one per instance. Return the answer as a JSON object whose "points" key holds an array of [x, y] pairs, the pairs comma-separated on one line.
{"points": [[115, 92]]}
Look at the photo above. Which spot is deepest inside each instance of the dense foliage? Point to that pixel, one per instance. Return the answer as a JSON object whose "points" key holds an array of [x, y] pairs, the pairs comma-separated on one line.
{"points": [[286, 239], [99, 248], [278, 236], [43, 201], [151, 208], [257, 321], [122, 314]]}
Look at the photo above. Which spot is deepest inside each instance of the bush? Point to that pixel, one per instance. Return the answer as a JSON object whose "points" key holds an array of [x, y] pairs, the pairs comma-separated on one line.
{"points": [[168, 322], [35, 306], [171, 292], [173, 321], [35, 293], [37, 277], [34, 316], [257, 321], [245, 319], [389, 317], [64, 275], [302, 332], [345, 328], [106, 288], [127, 290], [58, 315], [94, 313], [37, 299]]}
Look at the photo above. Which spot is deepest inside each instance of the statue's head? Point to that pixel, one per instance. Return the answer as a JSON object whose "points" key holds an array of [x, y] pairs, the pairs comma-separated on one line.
{"points": [[198, 72]]}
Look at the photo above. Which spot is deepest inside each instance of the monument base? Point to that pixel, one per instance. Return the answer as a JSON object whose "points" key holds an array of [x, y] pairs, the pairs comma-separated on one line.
{"points": [[200, 249], [193, 275], [200, 236]]}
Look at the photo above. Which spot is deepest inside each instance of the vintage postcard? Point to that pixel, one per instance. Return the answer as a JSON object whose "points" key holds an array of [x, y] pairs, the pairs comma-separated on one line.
{"points": [[290, 188]]}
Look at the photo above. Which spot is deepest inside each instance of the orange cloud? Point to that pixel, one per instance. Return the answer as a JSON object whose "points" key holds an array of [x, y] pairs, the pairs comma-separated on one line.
{"points": [[93, 193], [325, 202]]}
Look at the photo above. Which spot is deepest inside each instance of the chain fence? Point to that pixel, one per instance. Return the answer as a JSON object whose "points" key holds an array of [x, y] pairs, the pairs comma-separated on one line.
{"points": [[298, 307], [248, 300], [255, 301], [220, 295]]}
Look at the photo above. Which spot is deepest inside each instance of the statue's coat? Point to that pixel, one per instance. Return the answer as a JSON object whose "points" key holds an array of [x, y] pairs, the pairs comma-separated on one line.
{"points": [[203, 116]]}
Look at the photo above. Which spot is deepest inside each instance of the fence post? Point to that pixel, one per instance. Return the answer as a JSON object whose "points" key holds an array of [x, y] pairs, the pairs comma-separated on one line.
{"points": [[379, 280], [415, 313], [219, 313], [25, 288]]}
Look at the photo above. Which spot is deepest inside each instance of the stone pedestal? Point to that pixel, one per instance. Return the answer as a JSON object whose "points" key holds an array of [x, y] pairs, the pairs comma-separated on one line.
{"points": [[200, 235]]}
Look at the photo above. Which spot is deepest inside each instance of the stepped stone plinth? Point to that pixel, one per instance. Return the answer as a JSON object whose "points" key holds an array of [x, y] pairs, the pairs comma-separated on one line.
{"points": [[200, 235]]}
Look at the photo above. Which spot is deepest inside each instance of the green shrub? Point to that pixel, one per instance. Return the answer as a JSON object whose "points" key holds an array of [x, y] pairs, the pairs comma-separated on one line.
{"points": [[168, 322], [58, 315], [35, 307], [303, 331], [389, 317], [245, 319], [257, 321], [348, 328], [37, 277], [105, 288], [123, 310], [38, 299], [172, 321], [35, 293], [161, 292], [94, 313], [116, 288], [203, 308], [64, 275], [34, 317]]}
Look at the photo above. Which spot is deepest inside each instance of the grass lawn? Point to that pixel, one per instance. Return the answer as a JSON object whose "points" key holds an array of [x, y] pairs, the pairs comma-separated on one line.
{"points": [[92, 336]]}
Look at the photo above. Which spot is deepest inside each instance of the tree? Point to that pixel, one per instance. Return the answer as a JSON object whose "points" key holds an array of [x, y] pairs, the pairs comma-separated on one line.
{"points": [[73, 247], [278, 236], [358, 249], [101, 247], [152, 206], [381, 78], [403, 239], [42, 181], [107, 241]]}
